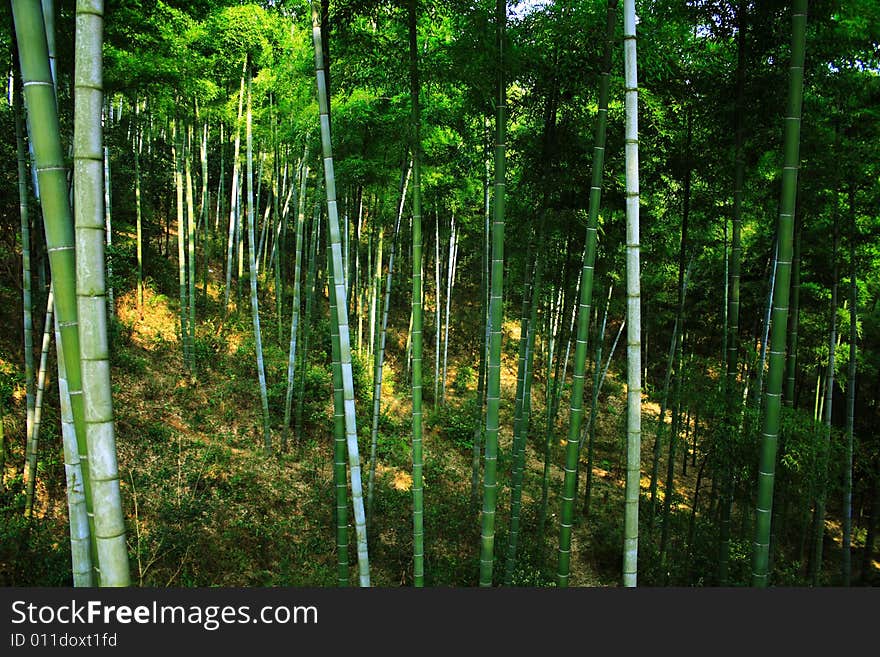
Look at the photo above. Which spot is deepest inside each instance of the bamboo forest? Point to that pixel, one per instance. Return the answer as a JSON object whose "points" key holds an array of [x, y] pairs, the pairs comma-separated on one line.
{"points": [[472, 293]]}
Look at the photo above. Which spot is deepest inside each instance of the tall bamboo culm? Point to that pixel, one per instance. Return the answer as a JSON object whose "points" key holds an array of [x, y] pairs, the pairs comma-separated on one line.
{"points": [[297, 286], [33, 434], [45, 137], [91, 290], [785, 228], [585, 301], [27, 302], [380, 350], [633, 304], [732, 406], [80, 536], [338, 288], [418, 490], [255, 308], [496, 311], [339, 473], [846, 557]]}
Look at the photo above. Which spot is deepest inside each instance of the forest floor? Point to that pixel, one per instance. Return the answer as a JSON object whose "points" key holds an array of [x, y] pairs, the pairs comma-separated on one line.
{"points": [[206, 506]]}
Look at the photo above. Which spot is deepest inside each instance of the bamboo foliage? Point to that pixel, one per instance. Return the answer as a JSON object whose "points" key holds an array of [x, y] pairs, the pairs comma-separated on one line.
{"points": [[772, 397], [339, 290]]}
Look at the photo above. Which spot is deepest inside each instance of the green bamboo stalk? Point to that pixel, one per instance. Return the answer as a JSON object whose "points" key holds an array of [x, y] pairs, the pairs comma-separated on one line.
{"points": [[594, 404], [177, 156], [553, 325], [522, 348], [569, 490], [673, 362], [27, 301], [415, 127], [496, 315], [91, 291], [771, 420], [375, 307], [234, 193], [297, 275], [138, 212], [846, 567], [190, 246], [278, 243], [633, 306], [108, 216], [339, 290], [591, 422], [450, 285], [255, 307], [80, 535], [793, 320], [438, 296], [380, 351], [203, 160], [48, 7], [203, 217], [522, 439], [39, 94], [339, 475], [33, 436], [484, 350], [314, 239], [825, 448], [220, 187], [733, 283]]}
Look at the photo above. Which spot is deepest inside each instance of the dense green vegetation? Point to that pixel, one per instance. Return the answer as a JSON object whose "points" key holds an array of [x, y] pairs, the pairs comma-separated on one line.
{"points": [[630, 333]]}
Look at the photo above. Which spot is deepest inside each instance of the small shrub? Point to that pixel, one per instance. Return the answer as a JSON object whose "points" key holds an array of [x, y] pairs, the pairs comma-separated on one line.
{"points": [[464, 378], [455, 422]]}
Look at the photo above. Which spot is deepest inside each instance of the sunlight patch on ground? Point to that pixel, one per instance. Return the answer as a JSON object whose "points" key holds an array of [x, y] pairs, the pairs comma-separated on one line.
{"points": [[402, 480], [158, 323]]}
